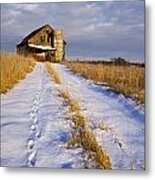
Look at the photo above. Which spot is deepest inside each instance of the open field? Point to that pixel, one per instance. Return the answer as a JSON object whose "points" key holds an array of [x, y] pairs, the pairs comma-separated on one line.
{"points": [[73, 87], [56, 118], [128, 80], [13, 68]]}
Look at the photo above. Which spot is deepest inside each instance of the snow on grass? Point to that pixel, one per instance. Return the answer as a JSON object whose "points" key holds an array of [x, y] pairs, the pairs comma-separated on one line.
{"points": [[123, 136]]}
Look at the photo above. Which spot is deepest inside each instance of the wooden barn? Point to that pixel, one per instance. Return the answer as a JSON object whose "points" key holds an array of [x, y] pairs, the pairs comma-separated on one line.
{"points": [[44, 43]]}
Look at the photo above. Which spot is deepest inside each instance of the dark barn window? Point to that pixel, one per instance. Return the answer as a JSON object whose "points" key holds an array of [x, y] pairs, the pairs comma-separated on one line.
{"points": [[52, 38], [42, 39], [48, 39]]}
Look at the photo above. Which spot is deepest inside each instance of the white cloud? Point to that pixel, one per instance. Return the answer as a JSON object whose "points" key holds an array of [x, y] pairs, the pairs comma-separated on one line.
{"points": [[104, 26]]}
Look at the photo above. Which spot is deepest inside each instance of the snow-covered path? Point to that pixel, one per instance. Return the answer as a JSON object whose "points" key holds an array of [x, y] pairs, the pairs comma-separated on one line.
{"points": [[34, 131], [117, 122]]}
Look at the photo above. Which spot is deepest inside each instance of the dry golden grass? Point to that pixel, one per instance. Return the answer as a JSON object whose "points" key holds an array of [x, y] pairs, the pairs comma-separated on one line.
{"points": [[128, 80], [83, 135], [13, 68], [53, 74], [73, 104]]}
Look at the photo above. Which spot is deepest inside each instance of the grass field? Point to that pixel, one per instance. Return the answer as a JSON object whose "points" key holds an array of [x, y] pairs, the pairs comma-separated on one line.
{"points": [[13, 68], [128, 80]]}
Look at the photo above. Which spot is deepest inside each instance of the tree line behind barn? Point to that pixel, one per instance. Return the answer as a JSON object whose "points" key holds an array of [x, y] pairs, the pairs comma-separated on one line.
{"points": [[114, 61]]}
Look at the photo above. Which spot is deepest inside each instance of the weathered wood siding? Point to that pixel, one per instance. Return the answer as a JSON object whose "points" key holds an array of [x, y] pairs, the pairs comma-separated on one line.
{"points": [[23, 50], [44, 37]]}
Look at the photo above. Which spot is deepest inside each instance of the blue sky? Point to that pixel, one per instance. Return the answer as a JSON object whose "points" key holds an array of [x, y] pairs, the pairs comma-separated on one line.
{"points": [[92, 29]]}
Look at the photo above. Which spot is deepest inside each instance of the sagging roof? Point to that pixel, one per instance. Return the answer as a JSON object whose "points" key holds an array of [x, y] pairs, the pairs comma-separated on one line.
{"points": [[33, 33]]}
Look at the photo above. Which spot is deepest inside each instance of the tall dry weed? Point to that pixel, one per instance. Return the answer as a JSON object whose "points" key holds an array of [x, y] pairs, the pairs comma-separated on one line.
{"points": [[128, 80], [13, 68]]}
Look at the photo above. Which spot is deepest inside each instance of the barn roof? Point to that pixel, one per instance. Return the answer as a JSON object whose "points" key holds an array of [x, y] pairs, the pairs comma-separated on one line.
{"points": [[33, 33]]}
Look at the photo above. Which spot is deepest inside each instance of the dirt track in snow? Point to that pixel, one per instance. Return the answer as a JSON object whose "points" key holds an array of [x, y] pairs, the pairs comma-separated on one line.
{"points": [[34, 129]]}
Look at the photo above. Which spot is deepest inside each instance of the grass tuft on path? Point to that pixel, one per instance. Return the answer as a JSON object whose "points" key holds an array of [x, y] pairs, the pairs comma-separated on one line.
{"points": [[55, 76], [83, 135]]}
